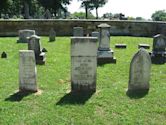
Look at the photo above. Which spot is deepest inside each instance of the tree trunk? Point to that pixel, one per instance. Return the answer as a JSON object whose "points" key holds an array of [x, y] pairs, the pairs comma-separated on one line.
{"points": [[97, 16], [26, 10], [86, 11]]}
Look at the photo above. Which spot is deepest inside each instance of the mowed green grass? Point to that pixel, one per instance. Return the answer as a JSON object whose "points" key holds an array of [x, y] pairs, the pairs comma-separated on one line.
{"points": [[53, 106]]}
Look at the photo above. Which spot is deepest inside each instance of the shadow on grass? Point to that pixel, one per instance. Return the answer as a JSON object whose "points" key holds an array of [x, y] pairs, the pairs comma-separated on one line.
{"points": [[18, 96], [137, 93], [75, 98]]}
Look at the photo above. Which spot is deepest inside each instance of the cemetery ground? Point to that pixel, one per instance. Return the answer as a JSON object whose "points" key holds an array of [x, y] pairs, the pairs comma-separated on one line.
{"points": [[54, 105]]}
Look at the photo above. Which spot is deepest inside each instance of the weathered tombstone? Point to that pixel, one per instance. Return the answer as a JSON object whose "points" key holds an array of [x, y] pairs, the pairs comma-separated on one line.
{"points": [[145, 46], [4, 55], [78, 32], [140, 68], [27, 71], [52, 35], [47, 15], [121, 46], [96, 34], [35, 45], [23, 34], [158, 54], [83, 64], [105, 54]]}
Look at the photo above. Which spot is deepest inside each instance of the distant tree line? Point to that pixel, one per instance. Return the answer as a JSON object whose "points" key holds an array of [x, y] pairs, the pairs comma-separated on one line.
{"points": [[35, 8], [28, 9]]}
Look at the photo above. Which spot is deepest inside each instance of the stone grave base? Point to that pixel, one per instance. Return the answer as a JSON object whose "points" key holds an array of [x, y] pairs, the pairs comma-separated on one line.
{"points": [[41, 59], [138, 87], [158, 58], [22, 89], [105, 57], [77, 88], [121, 46], [105, 60]]}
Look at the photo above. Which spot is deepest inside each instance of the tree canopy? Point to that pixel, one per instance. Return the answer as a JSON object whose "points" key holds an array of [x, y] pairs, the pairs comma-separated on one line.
{"points": [[159, 15]]}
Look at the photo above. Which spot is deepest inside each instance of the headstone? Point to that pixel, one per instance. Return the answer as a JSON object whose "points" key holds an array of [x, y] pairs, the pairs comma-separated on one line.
{"points": [[140, 68], [145, 46], [23, 34], [96, 34], [159, 43], [158, 54], [121, 46], [27, 71], [83, 64], [44, 50], [52, 35], [105, 54], [78, 32], [34, 44], [47, 15], [4, 55]]}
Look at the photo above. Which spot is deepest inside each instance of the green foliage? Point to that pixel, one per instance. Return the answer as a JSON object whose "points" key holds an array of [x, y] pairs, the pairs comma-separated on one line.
{"points": [[31, 8], [92, 4], [81, 15], [139, 18], [54, 5], [107, 15], [159, 15], [54, 106]]}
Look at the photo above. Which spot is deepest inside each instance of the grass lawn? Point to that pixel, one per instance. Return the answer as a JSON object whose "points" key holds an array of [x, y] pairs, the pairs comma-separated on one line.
{"points": [[53, 106]]}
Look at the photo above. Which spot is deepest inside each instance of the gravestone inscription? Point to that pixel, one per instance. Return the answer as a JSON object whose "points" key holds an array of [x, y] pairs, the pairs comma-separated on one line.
{"points": [[140, 68], [27, 71], [83, 64]]}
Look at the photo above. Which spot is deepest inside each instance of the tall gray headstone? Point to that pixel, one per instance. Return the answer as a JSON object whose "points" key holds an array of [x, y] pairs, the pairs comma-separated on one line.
{"points": [[96, 34], [35, 45], [159, 43], [105, 54], [23, 34], [158, 54], [83, 64], [140, 68], [27, 71], [47, 15], [52, 35], [78, 32]]}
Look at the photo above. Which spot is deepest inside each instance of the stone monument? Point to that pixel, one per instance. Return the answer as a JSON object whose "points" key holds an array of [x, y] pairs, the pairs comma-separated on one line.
{"points": [[96, 34], [52, 35], [4, 55], [158, 54], [83, 64], [23, 34], [105, 54], [78, 32], [35, 45], [140, 68], [27, 71]]}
